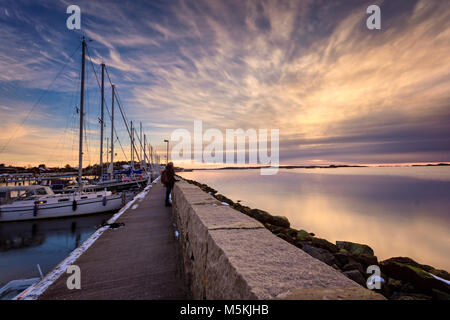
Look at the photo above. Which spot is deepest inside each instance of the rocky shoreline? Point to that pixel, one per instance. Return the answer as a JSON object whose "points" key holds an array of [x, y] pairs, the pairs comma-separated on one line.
{"points": [[402, 277]]}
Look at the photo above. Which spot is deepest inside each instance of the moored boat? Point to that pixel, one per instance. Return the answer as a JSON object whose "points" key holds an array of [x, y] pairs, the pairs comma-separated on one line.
{"points": [[40, 202]]}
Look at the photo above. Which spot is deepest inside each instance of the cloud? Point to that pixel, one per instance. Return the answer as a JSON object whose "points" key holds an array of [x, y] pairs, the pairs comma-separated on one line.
{"points": [[309, 68]]}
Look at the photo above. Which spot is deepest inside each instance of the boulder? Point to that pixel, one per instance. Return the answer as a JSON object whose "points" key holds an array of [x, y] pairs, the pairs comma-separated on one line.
{"points": [[303, 235], [324, 244], [320, 254], [408, 261], [342, 258], [353, 266], [280, 221], [222, 198], [366, 260], [356, 276], [276, 229], [355, 249], [265, 217], [418, 277], [439, 295]]}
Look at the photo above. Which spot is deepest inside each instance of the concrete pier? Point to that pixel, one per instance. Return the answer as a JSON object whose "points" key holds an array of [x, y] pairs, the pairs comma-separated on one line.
{"points": [[137, 261], [219, 253]]}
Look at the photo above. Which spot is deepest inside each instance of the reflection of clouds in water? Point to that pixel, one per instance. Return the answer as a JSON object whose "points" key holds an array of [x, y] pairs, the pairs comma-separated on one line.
{"points": [[395, 215], [427, 173]]}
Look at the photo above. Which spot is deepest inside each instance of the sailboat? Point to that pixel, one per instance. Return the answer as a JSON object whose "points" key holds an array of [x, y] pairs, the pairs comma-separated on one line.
{"points": [[40, 202]]}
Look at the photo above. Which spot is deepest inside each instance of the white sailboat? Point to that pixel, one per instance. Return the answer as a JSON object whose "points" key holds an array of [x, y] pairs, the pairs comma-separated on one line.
{"points": [[39, 202]]}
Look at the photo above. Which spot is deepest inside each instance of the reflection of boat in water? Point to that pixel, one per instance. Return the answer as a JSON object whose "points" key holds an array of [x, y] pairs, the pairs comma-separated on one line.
{"points": [[39, 202], [31, 233], [16, 287], [24, 244]]}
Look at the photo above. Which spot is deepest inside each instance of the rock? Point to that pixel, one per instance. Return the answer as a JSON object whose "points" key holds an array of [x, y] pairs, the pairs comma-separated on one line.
{"points": [[356, 276], [324, 244], [410, 296], [280, 221], [320, 254], [302, 235], [355, 249], [285, 237], [408, 261], [353, 266], [342, 258], [275, 229], [419, 278], [291, 232], [298, 244], [439, 295], [266, 217], [366, 260], [222, 198], [393, 284]]}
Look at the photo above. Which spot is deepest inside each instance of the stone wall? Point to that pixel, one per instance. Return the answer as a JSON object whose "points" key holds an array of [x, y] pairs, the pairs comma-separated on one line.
{"points": [[229, 255]]}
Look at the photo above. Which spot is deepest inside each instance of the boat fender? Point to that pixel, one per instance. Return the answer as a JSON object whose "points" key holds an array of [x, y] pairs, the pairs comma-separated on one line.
{"points": [[35, 210], [124, 199], [74, 205], [104, 200]]}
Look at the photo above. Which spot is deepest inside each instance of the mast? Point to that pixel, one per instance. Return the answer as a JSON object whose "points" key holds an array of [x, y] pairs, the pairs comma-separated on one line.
{"points": [[145, 154], [101, 121], [107, 152], [111, 165], [132, 146], [140, 144], [80, 152]]}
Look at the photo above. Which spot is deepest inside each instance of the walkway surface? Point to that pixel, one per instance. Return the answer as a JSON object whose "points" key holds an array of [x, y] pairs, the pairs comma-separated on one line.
{"points": [[137, 261]]}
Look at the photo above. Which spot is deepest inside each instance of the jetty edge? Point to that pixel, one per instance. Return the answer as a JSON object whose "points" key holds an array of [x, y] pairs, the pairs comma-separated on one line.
{"points": [[228, 255], [403, 278]]}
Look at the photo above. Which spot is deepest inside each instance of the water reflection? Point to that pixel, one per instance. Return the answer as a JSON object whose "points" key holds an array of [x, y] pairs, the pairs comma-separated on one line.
{"points": [[397, 212], [25, 244]]}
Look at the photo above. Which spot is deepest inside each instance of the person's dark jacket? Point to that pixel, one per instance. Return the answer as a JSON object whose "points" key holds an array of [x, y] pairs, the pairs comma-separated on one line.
{"points": [[170, 177]]}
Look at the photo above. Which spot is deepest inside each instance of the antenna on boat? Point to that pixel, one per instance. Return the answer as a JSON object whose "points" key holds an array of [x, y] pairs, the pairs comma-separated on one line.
{"points": [[80, 159]]}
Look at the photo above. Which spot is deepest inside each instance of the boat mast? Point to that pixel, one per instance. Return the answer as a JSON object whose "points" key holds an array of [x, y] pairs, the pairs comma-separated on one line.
{"points": [[111, 168], [140, 144], [145, 154], [80, 152], [101, 122], [132, 146]]}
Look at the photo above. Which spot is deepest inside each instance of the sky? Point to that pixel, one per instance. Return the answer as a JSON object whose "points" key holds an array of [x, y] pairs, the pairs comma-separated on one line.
{"points": [[337, 91]]}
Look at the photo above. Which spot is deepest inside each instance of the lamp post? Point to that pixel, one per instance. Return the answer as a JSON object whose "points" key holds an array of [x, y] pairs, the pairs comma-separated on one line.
{"points": [[167, 151]]}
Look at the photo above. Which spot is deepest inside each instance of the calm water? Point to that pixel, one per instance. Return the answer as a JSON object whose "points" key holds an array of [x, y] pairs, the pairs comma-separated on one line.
{"points": [[25, 244], [398, 211]]}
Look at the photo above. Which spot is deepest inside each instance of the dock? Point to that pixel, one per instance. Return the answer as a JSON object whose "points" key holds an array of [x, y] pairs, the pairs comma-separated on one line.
{"points": [[139, 260]]}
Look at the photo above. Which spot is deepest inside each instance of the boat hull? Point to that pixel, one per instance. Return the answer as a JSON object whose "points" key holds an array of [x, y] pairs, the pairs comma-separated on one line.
{"points": [[57, 210]]}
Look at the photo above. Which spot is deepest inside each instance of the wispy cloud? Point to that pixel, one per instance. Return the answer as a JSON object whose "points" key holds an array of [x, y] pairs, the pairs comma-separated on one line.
{"points": [[336, 91]]}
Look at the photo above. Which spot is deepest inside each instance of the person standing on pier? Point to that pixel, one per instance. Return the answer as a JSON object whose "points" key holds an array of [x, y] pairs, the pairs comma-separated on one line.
{"points": [[168, 179]]}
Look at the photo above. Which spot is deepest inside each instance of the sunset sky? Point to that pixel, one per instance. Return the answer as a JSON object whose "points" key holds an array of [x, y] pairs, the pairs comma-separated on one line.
{"points": [[338, 92]]}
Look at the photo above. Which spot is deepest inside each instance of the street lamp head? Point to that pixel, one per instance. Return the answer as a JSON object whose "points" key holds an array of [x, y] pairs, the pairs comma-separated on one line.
{"points": [[166, 140]]}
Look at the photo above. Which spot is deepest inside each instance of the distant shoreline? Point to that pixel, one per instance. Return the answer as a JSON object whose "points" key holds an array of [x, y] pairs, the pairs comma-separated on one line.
{"points": [[331, 166]]}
